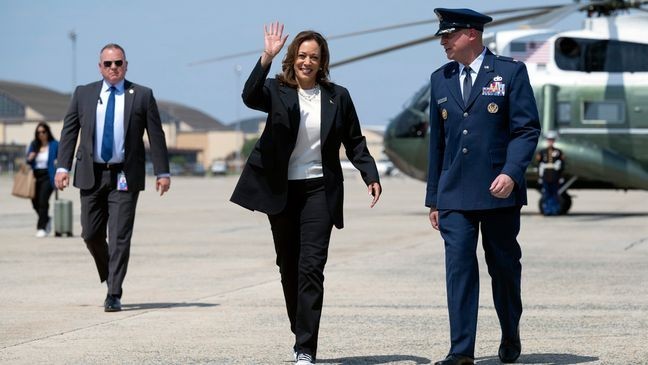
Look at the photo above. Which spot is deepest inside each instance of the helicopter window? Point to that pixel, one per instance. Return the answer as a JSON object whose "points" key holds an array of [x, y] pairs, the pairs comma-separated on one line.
{"points": [[518, 47], [414, 121], [595, 55], [603, 112], [420, 100], [10, 109], [563, 112]]}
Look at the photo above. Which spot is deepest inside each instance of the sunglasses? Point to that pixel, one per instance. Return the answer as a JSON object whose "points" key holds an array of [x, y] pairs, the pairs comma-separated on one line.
{"points": [[117, 63]]}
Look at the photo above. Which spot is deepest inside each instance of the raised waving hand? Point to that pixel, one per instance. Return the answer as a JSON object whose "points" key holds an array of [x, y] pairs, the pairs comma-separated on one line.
{"points": [[274, 41]]}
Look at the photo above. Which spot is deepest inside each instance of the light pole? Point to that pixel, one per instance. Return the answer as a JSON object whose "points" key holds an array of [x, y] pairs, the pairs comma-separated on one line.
{"points": [[73, 37]]}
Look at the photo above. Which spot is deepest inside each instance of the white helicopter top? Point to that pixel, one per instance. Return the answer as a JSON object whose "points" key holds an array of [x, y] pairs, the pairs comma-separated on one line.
{"points": [[537, 49]]}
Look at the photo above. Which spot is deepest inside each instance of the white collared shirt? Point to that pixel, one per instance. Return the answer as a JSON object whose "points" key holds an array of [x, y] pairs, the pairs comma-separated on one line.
{"points": [[102, 103], [475, 65]]}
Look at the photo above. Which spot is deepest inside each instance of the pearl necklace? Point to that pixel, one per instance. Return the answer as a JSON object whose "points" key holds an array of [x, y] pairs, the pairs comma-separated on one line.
{"points": [[309, 94]]}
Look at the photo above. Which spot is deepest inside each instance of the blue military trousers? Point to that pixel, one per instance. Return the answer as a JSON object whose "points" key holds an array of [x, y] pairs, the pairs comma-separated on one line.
{"points": [[550, 198], [460, 230]]}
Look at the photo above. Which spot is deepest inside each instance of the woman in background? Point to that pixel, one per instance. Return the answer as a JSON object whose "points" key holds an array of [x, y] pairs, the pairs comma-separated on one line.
{"points": [[41, 156]]}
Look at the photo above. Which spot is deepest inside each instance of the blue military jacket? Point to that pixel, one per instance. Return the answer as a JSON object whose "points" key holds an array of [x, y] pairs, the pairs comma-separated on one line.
{"points": [[497, 132]]}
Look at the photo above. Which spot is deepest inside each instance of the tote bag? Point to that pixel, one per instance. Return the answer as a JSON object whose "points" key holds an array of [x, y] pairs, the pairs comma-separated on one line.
{"points": [[24, 183]]}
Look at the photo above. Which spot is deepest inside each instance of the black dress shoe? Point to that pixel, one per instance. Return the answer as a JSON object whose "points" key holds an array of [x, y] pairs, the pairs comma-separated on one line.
{"points": [[112, 304], [456, 360], [510, 350]]}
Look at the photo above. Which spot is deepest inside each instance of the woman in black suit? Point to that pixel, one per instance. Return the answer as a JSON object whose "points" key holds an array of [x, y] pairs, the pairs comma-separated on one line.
{"points": [[293, 173]]}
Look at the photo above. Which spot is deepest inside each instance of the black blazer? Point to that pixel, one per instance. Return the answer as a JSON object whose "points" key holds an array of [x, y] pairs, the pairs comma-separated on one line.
{"points": [[140, 114], [264, 181]]}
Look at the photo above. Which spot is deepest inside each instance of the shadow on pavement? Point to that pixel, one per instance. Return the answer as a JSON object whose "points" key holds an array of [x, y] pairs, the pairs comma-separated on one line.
{"points": [[549, 359], [145, 306], [374, 360], [591, 215]]}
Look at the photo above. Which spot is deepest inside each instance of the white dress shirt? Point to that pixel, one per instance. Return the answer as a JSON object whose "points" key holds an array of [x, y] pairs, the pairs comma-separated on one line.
{"points": [[474, 69], [102, 103]]}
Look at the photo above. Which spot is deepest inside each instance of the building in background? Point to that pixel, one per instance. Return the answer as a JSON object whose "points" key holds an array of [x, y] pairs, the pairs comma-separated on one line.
{"points": [[197, 142], [193, 137]]}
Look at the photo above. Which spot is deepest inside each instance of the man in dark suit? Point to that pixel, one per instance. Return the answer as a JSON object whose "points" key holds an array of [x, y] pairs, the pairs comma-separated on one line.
{"points": [[484, 130], [111, 116]]}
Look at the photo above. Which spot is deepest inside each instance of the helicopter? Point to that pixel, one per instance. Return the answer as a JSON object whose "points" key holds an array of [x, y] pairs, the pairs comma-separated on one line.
{"points": [[590, 84], [591, 87]]}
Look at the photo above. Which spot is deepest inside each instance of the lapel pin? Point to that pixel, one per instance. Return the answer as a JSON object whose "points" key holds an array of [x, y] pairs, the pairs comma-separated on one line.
{"points": [[130, 91], [331, 101]]}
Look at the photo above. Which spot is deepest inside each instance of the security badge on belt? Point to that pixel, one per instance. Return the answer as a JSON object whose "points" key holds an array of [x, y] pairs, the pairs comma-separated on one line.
{"points": [[495, 88], [122, 185]]}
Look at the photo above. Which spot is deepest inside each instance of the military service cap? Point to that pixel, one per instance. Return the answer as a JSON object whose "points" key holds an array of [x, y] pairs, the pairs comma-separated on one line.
{"points": [[551, 135], [451, 20]]}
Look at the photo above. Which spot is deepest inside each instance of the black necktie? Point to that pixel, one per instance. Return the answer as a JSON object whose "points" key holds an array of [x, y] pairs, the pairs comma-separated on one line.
{"points": [[467, 85]]}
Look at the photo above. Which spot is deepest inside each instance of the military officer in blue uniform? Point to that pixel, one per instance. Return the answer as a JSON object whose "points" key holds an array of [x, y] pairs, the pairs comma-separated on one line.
{"points": [[484, 129]]}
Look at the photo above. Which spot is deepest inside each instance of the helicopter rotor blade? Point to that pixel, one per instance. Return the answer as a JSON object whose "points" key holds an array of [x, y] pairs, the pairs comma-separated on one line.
{"points": [[435, 20], [554, 16], [418, 41], [222, 58], [375, 30]]}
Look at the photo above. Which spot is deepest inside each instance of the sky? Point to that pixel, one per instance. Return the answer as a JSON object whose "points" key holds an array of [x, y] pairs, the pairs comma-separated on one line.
{"points": [[163, 37]]}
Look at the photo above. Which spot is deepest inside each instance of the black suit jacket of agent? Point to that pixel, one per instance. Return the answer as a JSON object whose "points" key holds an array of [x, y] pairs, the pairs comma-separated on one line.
{"points": [[140, 114], [264, 181]]}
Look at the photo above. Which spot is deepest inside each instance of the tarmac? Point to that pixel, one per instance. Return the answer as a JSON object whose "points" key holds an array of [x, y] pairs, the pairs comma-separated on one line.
{"points": [[202, 286]]}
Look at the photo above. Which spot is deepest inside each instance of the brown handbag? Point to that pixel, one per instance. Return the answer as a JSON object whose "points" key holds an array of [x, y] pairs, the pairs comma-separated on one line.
{"points": [[24, 183]]}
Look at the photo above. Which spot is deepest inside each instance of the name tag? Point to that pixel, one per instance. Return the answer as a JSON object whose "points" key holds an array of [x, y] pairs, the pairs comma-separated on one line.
{"points": [[442, 100]]}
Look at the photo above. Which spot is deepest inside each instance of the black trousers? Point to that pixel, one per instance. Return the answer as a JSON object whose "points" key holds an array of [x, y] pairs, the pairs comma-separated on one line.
{"points": [[301, 236], [40, 202], [103, 206]]}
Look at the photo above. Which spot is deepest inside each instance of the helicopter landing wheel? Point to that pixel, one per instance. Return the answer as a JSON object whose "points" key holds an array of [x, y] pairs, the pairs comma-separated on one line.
{"points": [[565, 202]]}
